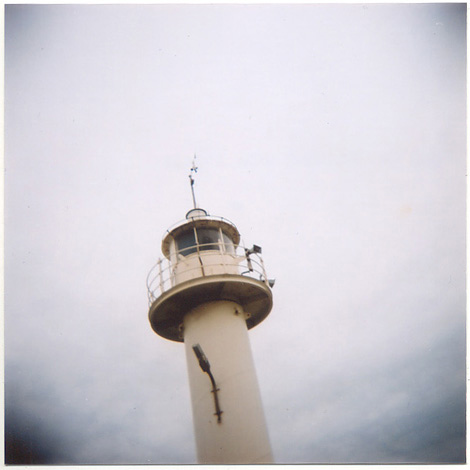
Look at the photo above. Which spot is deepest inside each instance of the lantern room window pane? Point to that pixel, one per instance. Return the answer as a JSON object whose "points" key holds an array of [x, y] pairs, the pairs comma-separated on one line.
{"points": [[228, 244], [208, 239], [186, 243]]}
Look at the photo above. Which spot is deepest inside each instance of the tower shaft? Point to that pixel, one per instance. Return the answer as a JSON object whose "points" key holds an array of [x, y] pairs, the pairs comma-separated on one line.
{"points": [[241, 436]]}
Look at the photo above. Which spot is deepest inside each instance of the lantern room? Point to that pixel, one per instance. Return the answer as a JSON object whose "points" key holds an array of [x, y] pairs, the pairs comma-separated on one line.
{"points": [[201, 246], [200, 232]]}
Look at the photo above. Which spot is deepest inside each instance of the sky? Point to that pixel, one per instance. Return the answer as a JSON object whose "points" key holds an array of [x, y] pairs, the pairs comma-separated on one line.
{"points": [[333, 136]]}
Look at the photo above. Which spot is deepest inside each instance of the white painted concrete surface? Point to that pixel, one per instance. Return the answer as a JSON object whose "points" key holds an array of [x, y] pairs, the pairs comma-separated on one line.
{"points": [[220, 329]]}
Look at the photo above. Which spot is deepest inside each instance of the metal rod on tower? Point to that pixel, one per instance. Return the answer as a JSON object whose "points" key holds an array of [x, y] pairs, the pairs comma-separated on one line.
{"points": [[194, 168], [192, 190]]}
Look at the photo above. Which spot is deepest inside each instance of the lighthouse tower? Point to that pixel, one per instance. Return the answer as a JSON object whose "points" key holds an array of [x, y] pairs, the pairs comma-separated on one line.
{"points": [[207, 292]]}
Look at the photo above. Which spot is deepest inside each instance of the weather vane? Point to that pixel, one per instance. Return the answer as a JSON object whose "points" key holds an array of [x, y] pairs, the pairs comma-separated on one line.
{"points": [[193, 169]]}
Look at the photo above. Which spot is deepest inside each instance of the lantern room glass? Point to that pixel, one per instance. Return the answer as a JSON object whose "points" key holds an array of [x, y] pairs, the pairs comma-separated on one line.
{"points": [[203, 239], [208, 239]]}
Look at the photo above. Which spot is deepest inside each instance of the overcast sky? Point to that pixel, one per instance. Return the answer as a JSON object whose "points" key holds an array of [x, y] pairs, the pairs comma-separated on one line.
{"points": [[332, 135]]}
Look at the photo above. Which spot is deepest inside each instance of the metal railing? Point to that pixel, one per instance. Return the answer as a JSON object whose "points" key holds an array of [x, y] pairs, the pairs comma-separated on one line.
{"points": [[206, 260]]}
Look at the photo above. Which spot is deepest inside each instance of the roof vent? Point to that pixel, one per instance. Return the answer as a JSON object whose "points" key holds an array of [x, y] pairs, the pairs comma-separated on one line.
{"points": [[196, 213]]}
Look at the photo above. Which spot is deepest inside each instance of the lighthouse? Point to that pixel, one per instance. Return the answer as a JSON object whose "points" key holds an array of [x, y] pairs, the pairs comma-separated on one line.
{"points": [[207, 292]]}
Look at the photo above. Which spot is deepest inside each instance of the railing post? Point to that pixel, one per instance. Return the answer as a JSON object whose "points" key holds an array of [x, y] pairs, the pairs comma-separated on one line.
{"points": [[160, 275], [264, 270], [222, 249]]}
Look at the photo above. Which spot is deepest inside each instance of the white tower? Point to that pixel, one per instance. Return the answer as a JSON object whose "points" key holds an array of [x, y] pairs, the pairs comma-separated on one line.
{"points": [[207, 293]]}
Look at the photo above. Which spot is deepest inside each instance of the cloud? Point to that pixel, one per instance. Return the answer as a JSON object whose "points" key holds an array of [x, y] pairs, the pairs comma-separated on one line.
{"points": [[408, 408]]}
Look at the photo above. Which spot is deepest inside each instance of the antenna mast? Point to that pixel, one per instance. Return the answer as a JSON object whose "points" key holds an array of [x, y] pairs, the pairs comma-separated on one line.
{"points": [[193, 169]]}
